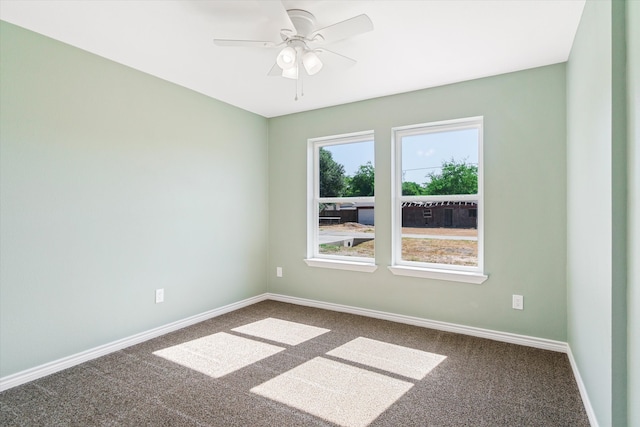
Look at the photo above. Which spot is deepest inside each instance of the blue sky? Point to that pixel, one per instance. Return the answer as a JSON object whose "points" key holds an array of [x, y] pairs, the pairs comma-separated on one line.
{"points": [[351, 156], [421, 154]]}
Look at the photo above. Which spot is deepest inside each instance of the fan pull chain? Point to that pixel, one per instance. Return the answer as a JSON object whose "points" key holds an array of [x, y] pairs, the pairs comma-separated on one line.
{"points": [[297, 77], [299, 82]]}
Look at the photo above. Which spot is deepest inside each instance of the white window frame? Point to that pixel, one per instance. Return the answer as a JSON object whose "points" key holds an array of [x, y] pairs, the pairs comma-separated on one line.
{"points": [[468, 274], [314, 257]]}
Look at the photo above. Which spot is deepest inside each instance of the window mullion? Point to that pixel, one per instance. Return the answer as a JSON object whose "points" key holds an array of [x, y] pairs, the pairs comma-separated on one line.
{"points": [[344, 200], [441, 198]]}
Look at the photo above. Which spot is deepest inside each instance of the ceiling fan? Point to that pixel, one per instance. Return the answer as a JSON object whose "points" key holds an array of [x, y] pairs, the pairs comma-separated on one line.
{"points": [[302, 44]]}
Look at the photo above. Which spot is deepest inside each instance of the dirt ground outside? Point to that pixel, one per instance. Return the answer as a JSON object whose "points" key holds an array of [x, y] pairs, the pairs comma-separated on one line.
{"points": [[361, 228], [421, 249], [467, 232]]}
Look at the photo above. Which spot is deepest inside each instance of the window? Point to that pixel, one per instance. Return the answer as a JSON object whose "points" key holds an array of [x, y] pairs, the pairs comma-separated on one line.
{"points": [[341, 202], [438, 169]]}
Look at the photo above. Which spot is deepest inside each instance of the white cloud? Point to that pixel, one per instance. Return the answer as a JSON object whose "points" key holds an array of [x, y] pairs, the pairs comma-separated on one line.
{"points": [[427, 153]]}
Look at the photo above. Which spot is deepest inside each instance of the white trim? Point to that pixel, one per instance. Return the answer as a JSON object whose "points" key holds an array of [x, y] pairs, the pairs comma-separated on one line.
{"points": [[439, 126], [344, 138], [593, 421], [66, 362], [444, 274], [341, 265], [313, 190], [508, 337], [347, 200], [440, 198]]}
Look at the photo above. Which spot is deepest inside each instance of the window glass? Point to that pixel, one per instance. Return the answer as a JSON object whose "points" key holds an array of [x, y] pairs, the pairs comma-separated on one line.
{"points": [[438, 202], [440, 163], [343, 224]]}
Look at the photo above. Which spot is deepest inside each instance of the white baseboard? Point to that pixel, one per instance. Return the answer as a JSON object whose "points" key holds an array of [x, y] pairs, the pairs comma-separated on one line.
{"points": [[67, 362], [583, 390], [528, 341]]}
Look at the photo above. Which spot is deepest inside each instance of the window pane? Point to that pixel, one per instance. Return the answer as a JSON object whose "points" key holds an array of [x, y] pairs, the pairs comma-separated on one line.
{"points": [[440, 232], [347, 170], [346, 229], [440, 163]]}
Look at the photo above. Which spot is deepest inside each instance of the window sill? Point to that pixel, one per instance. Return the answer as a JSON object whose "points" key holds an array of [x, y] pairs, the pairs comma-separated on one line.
{"points": [[341, 265], [432, 273]]}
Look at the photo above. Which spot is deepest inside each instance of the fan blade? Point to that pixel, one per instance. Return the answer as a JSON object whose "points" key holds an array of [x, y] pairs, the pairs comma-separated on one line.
{"points": [[277, 13], [243, 43], [334, 59], [342, 30]]}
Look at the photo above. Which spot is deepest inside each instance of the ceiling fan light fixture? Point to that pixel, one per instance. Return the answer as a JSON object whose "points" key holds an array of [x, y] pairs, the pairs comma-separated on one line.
{"points": [[286, 58], [291, 73], [311, 62]]}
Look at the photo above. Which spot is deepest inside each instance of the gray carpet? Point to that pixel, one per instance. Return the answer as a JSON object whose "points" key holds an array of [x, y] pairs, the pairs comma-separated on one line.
{"points": [[276, 364]]}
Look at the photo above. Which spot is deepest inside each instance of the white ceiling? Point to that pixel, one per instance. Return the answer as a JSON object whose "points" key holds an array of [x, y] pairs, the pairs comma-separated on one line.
{"points": [[414, 44]]}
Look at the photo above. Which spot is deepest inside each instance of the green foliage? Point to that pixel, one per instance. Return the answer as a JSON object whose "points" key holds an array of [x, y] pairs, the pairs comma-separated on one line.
{"points": [[455, 178], [410, 188], [362, 182], [332, 179], [334, 183]]}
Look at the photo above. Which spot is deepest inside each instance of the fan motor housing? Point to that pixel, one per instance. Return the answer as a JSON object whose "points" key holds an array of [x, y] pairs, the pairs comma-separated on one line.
{"points": [[303, 21]]}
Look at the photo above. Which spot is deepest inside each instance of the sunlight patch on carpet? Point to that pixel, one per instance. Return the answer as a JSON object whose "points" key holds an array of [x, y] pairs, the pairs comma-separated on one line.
{"points": [[392, 358], [339, 393], [218, 354], [282, 331]]}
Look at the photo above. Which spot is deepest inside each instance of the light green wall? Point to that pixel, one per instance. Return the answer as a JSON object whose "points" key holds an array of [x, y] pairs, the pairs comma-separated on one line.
{"points": [[525, 225], [619, 214], [114, 183], [633, 283], [589, 178], [597, 237]]}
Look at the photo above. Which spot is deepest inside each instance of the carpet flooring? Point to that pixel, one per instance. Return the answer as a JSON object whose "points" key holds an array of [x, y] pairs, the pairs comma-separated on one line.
{"points": [[277, 364]]}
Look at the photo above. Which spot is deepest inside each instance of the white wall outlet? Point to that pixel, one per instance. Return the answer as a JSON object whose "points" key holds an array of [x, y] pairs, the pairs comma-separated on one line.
{"points": [[278, 271], [159, 296], [518, 302]]}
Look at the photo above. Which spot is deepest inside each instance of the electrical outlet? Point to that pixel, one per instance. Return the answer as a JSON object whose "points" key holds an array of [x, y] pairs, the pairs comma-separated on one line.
{"points": [[518, 302], [278, 271], [159, 296]]}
